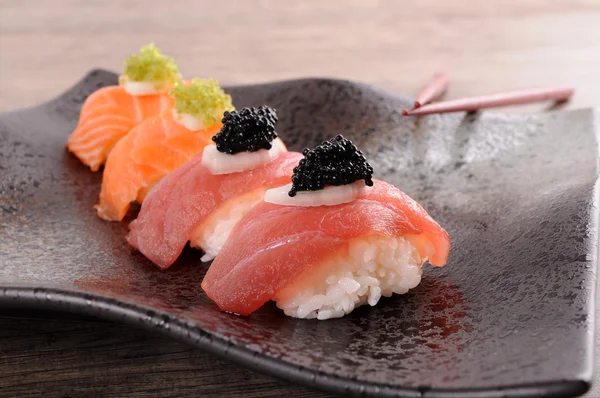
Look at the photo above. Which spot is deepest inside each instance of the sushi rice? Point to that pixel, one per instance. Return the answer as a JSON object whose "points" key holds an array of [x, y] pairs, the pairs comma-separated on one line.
{"points": [[371, 267], [212, 234]]}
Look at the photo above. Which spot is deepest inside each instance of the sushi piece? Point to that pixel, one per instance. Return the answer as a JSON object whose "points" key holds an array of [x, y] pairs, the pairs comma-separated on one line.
{"points": [[111, 112], [202, 200], [331, 241], [161, 144]]}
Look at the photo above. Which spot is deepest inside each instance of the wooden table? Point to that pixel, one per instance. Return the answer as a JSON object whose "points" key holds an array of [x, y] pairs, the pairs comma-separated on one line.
{"points": [[46, 46]]}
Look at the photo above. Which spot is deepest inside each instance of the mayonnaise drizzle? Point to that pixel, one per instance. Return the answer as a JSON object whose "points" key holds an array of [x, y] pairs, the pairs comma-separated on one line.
{"points": [[188, 121], [143, 88]]}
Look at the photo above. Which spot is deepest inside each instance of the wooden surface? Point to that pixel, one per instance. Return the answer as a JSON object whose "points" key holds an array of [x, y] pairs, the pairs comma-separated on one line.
{"points": [[45, 46], [66, 358]]}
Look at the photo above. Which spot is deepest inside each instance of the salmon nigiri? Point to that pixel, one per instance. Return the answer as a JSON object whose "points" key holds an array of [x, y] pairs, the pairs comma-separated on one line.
{"points": [[202, 200], [161, 144], [331, 241], [111, 112]]}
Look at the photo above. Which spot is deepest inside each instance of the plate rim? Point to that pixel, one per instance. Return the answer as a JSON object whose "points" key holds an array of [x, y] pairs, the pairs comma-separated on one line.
{"points": [[146, 318], [77, 302]]}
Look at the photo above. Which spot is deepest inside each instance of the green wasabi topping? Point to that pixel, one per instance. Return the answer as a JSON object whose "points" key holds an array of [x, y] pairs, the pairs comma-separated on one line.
{"points": [[202, 98], [150, 66]]}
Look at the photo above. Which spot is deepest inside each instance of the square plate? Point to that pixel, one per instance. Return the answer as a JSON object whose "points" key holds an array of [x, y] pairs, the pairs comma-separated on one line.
{"points": [[512, 314]]}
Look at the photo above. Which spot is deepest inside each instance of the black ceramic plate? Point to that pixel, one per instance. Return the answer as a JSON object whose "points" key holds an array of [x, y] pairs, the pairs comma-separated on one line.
{"points": [[510, 315]]}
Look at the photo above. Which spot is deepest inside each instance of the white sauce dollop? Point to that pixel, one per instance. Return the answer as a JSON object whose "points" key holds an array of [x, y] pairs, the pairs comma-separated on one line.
{"points": [[188, 121], [329, 196], [224, 163], [143, 88]]}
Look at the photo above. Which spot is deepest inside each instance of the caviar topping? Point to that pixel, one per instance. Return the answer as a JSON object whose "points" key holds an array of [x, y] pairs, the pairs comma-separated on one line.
{"points": [[247, 130], [334, 162], [151, 66], [203, 99]]}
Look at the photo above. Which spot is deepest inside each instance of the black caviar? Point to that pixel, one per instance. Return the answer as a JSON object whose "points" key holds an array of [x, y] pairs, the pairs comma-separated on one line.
{"points": [[247, 130], [334, 162]]}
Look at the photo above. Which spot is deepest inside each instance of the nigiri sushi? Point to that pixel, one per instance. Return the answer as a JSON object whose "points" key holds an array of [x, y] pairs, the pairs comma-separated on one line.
{"points": [[161, 144], [332, 240], [111, 112], [202, 200]]}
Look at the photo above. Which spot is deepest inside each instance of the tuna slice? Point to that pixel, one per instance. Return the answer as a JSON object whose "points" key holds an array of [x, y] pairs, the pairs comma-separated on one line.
{"points": [[273, 245], [180, 203]]}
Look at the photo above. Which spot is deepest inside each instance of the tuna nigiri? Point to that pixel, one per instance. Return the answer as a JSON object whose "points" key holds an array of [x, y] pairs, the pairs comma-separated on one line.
{"points": [[202, 200], [331, 241], [111, 112], [161, 144]]}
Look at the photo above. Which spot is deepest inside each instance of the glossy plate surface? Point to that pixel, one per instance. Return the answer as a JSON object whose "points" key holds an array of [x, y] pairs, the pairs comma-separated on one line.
{"points": [[510, 315]]}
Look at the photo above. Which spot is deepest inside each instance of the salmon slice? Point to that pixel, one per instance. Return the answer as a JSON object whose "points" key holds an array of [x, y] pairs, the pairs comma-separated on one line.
{"points": [[107, 116], [139, 160], [184, 199], [273, 245]]}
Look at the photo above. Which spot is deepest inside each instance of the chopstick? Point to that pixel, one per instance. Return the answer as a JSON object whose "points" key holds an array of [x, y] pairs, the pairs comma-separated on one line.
{"points": [[432, 90], [515, 97]]}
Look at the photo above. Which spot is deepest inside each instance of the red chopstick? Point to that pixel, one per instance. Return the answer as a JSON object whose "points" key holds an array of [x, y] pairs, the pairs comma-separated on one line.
{"points": [[516, 97], [433, 89]]}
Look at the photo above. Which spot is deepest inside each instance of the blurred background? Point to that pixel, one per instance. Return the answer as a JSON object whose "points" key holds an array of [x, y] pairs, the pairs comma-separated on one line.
{"points": [[46, 46]]}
